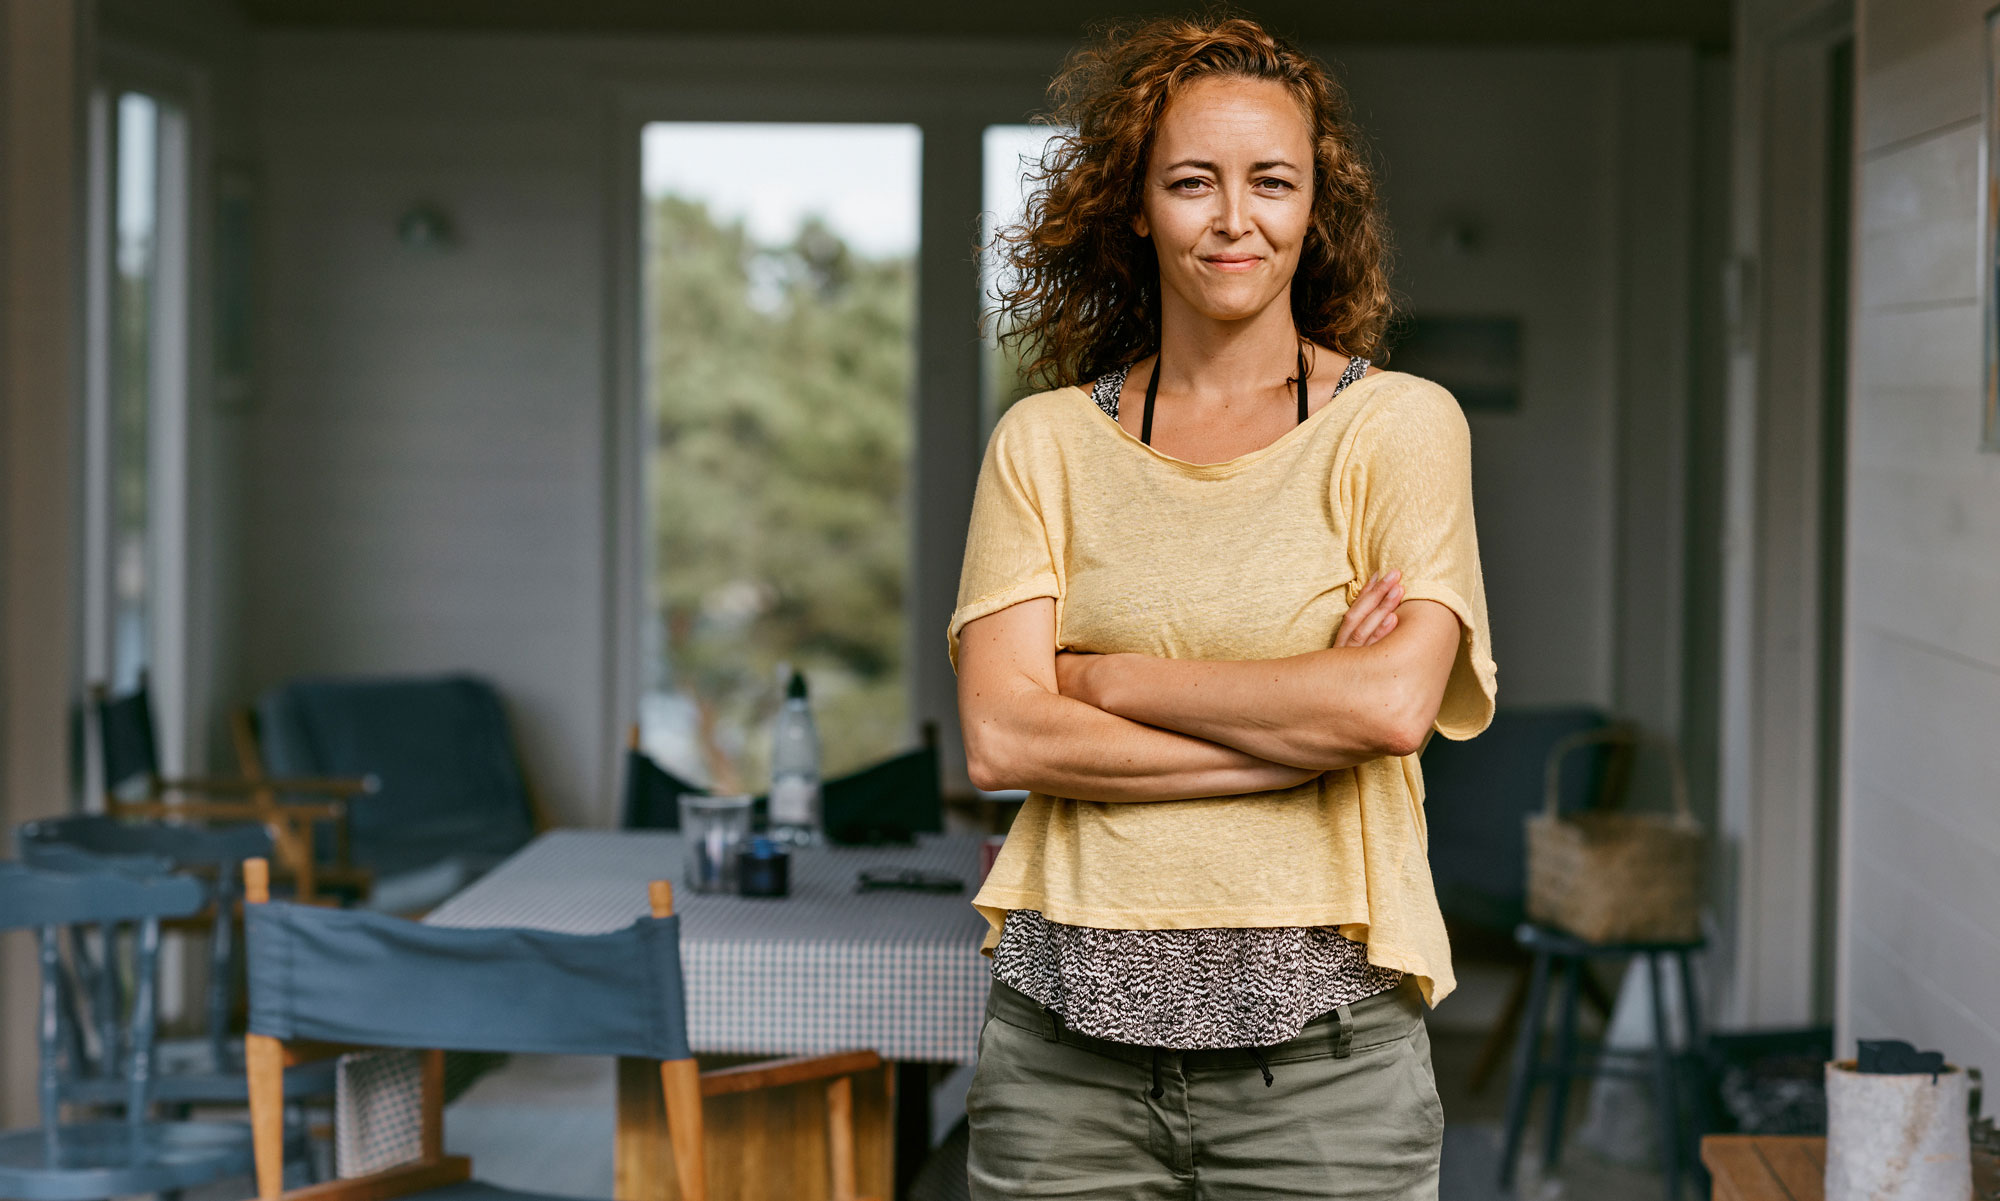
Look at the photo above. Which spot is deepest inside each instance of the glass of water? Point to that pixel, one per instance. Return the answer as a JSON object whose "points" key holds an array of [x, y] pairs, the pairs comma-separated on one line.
{"points": [[712, 827]]}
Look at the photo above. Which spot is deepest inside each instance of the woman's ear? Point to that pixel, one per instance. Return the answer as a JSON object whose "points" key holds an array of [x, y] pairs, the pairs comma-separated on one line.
{"points": [[1139, 225]]}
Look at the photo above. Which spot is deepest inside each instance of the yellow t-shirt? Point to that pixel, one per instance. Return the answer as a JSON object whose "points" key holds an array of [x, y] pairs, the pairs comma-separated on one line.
{"points": [[1255, 558]]}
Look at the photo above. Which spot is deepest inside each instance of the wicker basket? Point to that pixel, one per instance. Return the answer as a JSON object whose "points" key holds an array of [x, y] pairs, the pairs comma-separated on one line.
{"points": [[1606, 876]]}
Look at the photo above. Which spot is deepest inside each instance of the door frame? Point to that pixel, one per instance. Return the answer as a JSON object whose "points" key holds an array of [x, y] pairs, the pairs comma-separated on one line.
{"points": [[179, 366], [1779, 779]]}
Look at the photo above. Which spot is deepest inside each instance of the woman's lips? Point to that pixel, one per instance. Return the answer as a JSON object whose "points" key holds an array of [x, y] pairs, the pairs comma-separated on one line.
{"points": [[1232, 262]]}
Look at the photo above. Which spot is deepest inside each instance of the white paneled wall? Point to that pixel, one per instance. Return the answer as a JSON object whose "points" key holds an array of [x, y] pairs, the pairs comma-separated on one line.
{"points": [[426, 462], [1921, 944], [1447, 127]]}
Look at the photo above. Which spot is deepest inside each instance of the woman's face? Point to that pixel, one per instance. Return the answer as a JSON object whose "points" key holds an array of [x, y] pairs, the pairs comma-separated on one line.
{"points": [[1228, 196]]}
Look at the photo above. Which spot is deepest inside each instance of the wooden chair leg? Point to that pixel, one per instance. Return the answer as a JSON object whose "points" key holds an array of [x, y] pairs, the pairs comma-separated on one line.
{"points": [[433, 1106], [264, 1069], [264, 1064], [840, 1136], [680, 1082]]}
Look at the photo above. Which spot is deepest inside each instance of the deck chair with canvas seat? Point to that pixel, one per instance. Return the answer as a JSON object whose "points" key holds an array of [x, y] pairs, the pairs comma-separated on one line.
{"points": [[129, 764], [327, 981]]}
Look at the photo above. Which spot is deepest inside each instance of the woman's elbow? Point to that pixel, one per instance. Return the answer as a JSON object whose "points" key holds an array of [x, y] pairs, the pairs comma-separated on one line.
{"points": [[1405, 737], [1398, 727], [1408, 724], [983, 772], [988, 765]]}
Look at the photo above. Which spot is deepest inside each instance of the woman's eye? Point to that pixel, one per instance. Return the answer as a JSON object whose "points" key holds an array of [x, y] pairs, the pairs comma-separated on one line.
{"points": [[1191, 183], [1276, 185]]}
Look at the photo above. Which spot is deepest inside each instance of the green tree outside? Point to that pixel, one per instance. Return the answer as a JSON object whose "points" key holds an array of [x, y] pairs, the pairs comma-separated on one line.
{"points": [[779, 389]]}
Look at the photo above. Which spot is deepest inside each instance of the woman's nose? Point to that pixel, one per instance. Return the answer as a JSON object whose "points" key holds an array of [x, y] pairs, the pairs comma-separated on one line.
{"points": [[1231, 213]]}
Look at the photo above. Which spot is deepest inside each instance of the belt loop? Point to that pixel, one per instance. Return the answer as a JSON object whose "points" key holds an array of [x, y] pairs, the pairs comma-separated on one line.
{"points": [[1343, 1031], [1051, 1025]]}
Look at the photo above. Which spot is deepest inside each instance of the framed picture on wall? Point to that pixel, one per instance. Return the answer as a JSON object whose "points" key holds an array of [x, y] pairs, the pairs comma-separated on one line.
{"points": [[1989, 263], [1476, 359]]}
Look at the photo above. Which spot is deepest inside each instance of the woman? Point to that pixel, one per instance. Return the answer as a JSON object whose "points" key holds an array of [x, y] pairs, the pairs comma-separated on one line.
{"points": [[1217, 592]]}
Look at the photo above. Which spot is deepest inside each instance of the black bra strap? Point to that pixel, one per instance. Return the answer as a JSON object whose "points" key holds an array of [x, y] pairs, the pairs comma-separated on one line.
{"points": [[1302, 385], [1153, 393]]}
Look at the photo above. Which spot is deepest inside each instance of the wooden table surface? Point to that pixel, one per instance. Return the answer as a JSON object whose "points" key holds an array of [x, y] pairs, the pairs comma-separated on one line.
{"points": [[1769, 1167]]}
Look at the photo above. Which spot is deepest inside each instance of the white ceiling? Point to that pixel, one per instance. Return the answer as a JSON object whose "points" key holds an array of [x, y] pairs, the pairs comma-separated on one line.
{"points": [[1320, 21]]}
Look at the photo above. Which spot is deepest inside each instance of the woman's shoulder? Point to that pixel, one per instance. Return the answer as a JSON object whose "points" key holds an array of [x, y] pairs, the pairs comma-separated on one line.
{"points": [[1401, 391], [1044, 413], [1398, 405]]}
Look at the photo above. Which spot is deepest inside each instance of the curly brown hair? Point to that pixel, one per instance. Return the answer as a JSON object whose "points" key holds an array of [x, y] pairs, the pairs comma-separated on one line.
{"points": [[1083, 299]]}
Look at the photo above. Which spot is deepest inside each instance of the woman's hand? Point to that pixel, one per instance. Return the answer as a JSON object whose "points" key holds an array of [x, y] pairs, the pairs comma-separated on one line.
{"points": [[1373, 615]]}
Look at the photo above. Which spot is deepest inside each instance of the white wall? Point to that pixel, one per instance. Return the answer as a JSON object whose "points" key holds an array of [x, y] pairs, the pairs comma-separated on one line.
{"points": [[1520, 144], [1921, 929], [433, 471], [424, 462]]}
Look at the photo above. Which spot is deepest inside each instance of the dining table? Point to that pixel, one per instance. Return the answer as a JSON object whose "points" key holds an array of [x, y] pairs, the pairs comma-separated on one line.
{"points": [[829, 967]]}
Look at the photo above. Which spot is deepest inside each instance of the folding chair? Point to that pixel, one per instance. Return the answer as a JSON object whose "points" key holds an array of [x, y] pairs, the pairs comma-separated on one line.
{"points": [[651, 796], [323, 982], [889, 801], [128, 756], [85, 1161], [453, 800]]}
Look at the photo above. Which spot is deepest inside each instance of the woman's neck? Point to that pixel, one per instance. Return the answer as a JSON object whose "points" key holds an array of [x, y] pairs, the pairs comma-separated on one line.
{"points": [[1202, 359]]}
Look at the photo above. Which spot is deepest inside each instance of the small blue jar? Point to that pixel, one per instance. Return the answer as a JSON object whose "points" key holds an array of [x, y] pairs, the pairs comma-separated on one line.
{"points": [[763, 869]]}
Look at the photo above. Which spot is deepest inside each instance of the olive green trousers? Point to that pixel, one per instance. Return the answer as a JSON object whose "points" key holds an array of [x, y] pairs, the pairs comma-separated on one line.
{"points": [[1350, 1111]]}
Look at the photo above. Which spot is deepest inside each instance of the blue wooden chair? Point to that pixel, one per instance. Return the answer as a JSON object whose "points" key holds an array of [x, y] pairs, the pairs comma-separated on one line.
{"points": [[325, 981], [203, 1071], [84, 1161]]}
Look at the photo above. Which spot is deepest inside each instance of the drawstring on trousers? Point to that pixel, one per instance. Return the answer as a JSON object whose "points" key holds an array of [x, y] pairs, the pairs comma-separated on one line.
{"points": [[1258, 1055]]}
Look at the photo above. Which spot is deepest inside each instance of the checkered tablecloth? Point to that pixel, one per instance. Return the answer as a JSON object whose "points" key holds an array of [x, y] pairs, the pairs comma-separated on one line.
{"points": [[825, 969]]}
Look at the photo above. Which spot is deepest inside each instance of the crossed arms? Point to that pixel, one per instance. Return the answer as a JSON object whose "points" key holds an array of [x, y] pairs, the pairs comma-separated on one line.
{"points": [[1139, 728]]}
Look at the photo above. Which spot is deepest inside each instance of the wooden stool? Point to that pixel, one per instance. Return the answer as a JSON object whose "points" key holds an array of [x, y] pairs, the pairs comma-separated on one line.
{"points": [[1551, 947]]}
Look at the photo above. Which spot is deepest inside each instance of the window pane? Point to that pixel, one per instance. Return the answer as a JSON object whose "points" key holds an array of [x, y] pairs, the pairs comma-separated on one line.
{"points": [[780, 289], [1010, 152], [134, 298]]}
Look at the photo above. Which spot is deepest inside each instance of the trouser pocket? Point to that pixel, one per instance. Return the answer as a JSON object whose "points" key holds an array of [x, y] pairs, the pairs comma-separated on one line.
{"points": [[1049, 1119]]}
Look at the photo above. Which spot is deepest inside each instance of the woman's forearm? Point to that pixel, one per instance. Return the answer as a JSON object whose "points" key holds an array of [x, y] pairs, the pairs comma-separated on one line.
{"points": [[1322, 710], [1034, 739]]}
